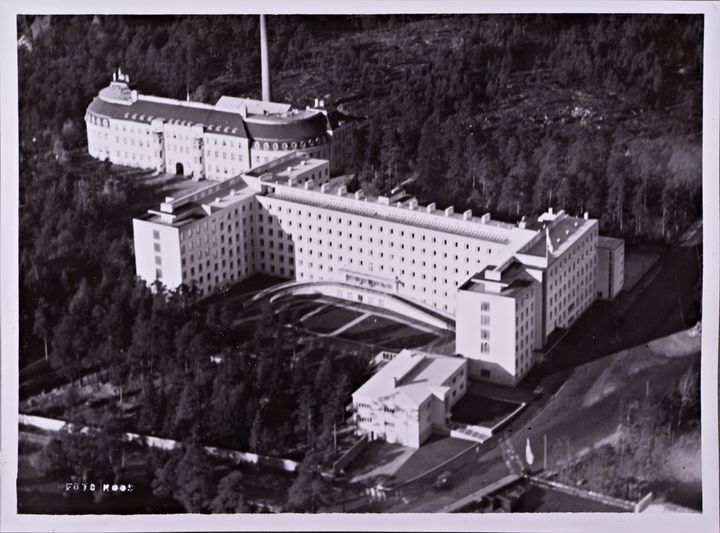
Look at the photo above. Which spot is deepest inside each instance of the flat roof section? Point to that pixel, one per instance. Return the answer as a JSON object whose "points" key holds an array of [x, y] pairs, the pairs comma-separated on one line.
{"points": [[560, 233], [514, 277], [409, 213], [287, 167], [414, 375], [609, 243]]}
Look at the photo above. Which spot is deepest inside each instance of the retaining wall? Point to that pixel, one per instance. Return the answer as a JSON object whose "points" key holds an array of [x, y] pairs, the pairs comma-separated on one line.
{"points": [[236, 456], [351, 454]]}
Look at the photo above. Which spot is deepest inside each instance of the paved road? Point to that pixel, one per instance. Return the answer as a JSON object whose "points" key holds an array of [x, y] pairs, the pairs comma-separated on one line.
{"points": [[663, 307]]}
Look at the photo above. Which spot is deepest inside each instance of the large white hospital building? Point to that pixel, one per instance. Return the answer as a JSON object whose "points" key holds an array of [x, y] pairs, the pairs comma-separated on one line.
{"points": [[505, 287], [209, 141]]}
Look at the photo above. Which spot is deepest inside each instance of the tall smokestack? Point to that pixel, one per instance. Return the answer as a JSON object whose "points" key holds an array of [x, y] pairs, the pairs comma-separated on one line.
{"points": [[264, 61]]}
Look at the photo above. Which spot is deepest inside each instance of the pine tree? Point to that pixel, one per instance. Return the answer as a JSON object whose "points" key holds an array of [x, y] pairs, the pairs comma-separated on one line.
{"points": [[42, 323], [230, 498]]}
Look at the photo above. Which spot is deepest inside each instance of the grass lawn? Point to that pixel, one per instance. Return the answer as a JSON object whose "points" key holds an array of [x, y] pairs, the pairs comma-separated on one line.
{"points": [[409, 337], [433, 452], [330, 319], [481, 410], [586, 411], [297, 309], [637, 262]]}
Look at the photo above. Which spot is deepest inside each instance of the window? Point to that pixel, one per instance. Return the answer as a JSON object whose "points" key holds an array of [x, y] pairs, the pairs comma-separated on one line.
{"points": [[484, 306], [156, 234]]}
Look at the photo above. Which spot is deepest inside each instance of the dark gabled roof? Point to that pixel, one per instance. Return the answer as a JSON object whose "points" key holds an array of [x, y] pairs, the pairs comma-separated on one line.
{"points": [[287, 128], [145, 110], [337, 118], [270, 128]]}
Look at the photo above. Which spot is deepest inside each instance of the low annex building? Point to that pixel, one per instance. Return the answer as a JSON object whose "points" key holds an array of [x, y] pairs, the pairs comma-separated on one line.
{"points": [[410, 397]]}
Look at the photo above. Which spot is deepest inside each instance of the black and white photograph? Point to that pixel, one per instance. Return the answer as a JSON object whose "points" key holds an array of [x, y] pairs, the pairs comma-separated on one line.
{"points": [[358, 263]]}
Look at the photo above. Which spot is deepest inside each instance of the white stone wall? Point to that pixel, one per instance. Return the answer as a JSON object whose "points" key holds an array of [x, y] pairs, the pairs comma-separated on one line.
{"points": [[98, 137], [486, 332], [157, 253], [217, 250], [225, 156]]}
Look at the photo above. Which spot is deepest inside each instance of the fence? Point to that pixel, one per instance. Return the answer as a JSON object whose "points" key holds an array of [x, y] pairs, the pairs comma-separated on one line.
{"points": [[582, 493], [277, 463], [351, 454], [641, 505]]}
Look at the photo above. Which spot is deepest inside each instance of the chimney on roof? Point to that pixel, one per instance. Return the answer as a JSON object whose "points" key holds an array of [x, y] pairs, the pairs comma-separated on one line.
{"points": [[317, 102], [324, 187], [485, 218], [430, 207], [359, 194], [550, 210], [449, 211], [309, 184], [264, 60], [467, 215], [412, 204], [342, 190], [585, 216]]}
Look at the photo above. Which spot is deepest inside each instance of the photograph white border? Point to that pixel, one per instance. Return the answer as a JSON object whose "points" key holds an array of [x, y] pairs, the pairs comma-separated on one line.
{"points": [[708, 520]]}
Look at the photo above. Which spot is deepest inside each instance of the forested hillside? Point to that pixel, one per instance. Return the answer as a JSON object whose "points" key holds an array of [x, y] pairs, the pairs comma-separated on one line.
{"points": [[508, 114], [502, 113]]}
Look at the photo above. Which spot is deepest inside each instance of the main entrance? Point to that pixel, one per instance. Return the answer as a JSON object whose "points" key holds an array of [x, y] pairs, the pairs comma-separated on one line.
{"points": [[179, 170]]}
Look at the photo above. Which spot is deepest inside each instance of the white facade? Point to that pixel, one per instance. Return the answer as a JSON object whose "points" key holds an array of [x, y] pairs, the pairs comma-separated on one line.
{"points": [[205, 141], [410, 397], [289, 218], [497, 322], [420, 253], [563, 257]]}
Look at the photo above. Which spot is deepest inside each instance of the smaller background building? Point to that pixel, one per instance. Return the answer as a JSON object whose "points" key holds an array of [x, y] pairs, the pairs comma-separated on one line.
{"points": [[610, 267], [410, 397]]}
